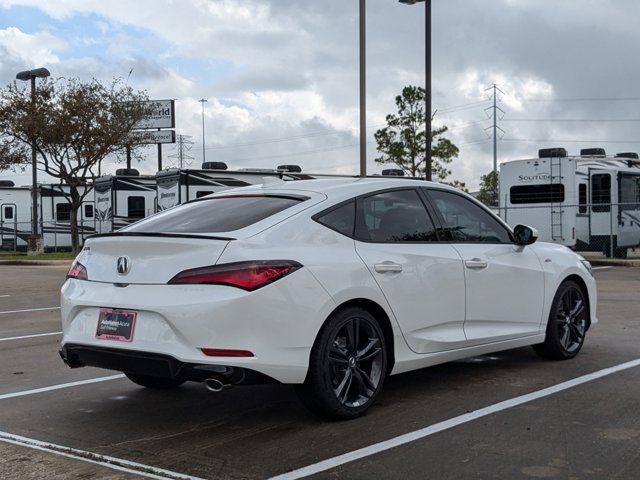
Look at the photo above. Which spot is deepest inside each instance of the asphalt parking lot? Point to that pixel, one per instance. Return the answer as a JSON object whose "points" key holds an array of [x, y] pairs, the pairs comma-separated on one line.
{"points": [[590, 430]]}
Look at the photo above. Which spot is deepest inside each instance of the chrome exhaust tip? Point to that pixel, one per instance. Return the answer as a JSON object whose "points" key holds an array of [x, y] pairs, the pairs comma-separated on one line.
{"points": [[214, 385]]}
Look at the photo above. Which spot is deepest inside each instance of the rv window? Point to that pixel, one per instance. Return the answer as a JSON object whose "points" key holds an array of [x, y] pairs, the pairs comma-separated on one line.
{"points": [[136, 207], [582, 198], [601, 192], [217, 214], [202, 194], [63, 212], [545, 193], [8, 213], [88, 211], [630, 192]]}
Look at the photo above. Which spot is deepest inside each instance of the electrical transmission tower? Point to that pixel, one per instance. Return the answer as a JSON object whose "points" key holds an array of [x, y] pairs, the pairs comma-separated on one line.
{"points": [[497, 114], [184, 145]]}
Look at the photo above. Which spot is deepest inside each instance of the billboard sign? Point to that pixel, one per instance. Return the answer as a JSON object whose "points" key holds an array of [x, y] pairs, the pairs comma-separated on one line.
{"points": [[163, 115], [155, 137]]}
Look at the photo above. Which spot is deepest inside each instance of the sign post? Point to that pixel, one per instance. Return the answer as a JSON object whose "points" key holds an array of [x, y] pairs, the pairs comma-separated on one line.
{"points": [[162, 117]]}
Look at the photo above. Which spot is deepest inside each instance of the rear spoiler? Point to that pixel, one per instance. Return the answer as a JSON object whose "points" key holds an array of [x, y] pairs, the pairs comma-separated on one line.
{"points": [[158, 235]]}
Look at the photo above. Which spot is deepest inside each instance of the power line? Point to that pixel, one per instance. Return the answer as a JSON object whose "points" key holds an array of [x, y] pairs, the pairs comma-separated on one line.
{"points": [[584, 99], [528, 140], [581, 120]]}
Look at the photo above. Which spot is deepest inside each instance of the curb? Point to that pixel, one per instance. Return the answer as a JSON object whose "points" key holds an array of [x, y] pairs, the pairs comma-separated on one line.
{"points": [[36, 262], [606, 262]]}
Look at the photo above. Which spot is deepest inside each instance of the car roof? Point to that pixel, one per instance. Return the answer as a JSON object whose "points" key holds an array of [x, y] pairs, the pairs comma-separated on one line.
{"points": [[335, 188]]}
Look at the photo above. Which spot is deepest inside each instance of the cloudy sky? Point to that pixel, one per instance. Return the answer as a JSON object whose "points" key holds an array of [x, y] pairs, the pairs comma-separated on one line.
{"points": [[281, 76]]}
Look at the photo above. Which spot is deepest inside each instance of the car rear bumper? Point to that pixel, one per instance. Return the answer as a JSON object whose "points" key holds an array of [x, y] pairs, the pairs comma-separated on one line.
{"points": [[277, 324], [157, 365]]}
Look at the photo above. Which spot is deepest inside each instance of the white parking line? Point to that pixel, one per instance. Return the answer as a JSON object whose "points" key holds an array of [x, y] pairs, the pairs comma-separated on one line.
{"points": [[95, 458], [601, 268], [447, 424], [30, 336], [60, 386], [31, 310]]}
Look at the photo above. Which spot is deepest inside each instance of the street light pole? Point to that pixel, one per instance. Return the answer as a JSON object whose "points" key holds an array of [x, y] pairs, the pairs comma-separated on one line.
{"points": [[35, 241], [427, 74], [203, 101], [363, 89]]}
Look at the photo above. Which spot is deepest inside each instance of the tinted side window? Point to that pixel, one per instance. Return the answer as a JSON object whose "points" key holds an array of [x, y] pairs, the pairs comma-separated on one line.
{"points": [[546, 193], [201, 194], [8, 213], [63, 212], [464, 221], [136, 208], [398, 216], [218, 214], [629, 192], [88, 211], [601, 192], [341, 219], [582, 198]]}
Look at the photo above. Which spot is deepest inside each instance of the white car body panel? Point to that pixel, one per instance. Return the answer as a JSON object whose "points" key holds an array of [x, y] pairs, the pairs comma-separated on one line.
{"points": [[506, 307]]}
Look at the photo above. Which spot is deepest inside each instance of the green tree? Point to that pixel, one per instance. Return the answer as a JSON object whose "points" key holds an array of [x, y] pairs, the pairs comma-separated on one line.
{"points": [[489, 189], [403, 141], [74, 126]]}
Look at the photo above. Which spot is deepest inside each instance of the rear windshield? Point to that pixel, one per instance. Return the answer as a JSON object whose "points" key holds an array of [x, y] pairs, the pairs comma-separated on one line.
{"points": [[221, 214]]}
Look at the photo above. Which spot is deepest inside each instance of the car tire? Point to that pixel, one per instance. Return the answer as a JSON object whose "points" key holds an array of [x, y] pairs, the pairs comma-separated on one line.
{"points": [[347, 366], [567, 325], [157, 383]]}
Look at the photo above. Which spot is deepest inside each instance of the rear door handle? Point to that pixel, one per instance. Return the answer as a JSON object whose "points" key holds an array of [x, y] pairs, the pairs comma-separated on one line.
{"points": [[388, 267], [476, 263]]}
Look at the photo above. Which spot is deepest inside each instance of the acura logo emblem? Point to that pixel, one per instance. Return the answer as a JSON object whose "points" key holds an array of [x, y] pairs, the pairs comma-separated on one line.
{"points": [[124, 265]]}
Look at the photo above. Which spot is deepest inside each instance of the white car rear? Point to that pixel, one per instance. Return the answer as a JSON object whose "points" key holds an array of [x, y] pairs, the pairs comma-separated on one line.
{"points": [[328, 284]]}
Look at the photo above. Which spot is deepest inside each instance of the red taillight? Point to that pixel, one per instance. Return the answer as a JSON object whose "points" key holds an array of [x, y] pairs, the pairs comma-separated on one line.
{"points": [[219, 352], [246, 275], [78, 271]]}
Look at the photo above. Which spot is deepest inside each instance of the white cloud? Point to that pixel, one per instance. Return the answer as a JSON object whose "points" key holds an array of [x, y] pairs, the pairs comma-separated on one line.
{"points": [[36, 49]]}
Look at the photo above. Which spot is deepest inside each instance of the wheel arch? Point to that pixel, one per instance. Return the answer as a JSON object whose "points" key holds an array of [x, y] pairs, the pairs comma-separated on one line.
{"points": [[585, 291], [383, 318]]}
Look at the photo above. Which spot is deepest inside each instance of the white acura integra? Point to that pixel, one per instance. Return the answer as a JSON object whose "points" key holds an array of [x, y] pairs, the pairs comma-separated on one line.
{"points": [[327, 284]]}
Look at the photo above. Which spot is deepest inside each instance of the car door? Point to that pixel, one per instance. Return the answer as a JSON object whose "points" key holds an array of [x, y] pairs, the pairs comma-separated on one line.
{"points": [[504, 282], [422, 280]]}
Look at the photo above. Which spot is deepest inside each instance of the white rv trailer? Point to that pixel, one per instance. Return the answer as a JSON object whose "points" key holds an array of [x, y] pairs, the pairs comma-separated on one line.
{"points": [[123, 198], [54, 212], [589, 202], [177, 186]]}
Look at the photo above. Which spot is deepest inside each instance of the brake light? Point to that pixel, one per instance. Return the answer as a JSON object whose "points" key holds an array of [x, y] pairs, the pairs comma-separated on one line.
{"points": [[245, 275], [219, 352], [77, 271]]}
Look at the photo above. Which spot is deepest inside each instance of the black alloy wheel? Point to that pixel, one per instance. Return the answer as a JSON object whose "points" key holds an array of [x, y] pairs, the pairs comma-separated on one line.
{"points": [[347, 367], [568, 323], [355, 359]]}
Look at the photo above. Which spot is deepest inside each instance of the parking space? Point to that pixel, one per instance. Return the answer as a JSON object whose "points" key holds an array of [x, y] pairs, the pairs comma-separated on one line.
{"points": [[589, 431]]}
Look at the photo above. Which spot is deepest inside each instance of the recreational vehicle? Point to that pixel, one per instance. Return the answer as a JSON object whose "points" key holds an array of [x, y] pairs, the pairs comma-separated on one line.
{"points": [[54, 213], [179, 186], [589, 202], [123, 198]]}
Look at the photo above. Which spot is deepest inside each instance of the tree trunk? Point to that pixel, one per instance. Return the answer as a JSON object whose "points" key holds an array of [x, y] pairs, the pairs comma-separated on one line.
{"points": [[76, 203], [75, 238]]}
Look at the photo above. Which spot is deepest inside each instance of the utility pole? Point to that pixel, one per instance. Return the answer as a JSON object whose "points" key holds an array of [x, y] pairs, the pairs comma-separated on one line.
{"points": [[495, 109], [185, 144], [203, 101], [363, 89]]}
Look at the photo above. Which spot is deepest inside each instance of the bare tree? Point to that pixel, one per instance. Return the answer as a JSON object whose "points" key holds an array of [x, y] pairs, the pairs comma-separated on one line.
{"points": [[74, 126]]}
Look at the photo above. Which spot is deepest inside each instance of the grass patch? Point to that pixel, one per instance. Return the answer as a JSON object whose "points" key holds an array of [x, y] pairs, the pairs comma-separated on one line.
{"points": [[44, 256]]}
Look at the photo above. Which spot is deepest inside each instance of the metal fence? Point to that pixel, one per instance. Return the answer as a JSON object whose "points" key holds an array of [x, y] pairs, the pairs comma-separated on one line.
{"points": [[597, 229]]}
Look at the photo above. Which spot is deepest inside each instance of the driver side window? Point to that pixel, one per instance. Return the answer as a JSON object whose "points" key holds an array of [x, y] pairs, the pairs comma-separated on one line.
{"points": [[464, 221]]}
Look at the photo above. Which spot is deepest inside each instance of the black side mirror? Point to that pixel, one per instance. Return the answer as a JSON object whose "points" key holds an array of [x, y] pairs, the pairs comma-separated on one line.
{"points": [[524, 235]]}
